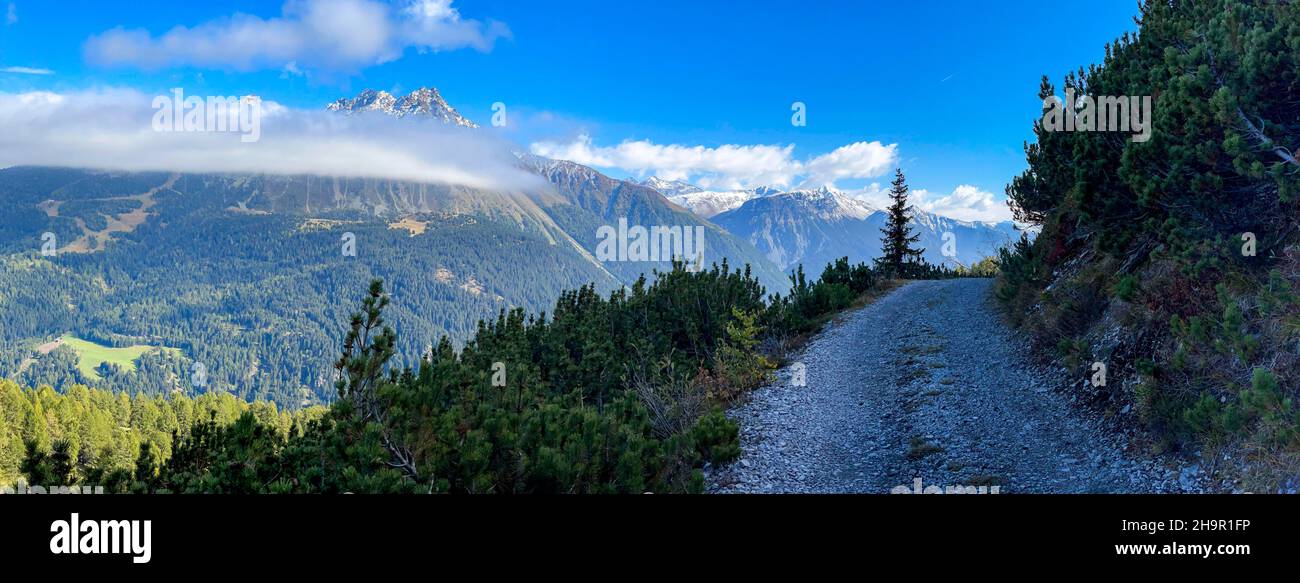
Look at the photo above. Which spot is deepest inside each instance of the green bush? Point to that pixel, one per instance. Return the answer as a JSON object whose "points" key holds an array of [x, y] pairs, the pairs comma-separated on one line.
{"points": [[717, 438], [1126, 288]]}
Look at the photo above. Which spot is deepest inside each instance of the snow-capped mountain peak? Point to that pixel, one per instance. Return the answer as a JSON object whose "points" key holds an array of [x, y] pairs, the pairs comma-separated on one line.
{"points": [[828, 203], [710, 203], [368, 100], [670, 188], [702, 202], [423, 102]]}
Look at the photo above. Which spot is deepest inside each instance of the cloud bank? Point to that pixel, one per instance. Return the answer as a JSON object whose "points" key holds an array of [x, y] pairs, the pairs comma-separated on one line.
{"points": [[319, 35], [728, 166], [113, 130], [966, 203]]}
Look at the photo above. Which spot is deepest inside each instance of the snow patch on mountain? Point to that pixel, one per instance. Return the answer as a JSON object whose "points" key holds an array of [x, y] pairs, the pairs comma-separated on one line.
{"points": [[829, 204], [670, 188]]}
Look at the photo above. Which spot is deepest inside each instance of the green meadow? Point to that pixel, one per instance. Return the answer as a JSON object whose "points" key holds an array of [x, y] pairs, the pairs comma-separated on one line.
{"points": [[90, 355]]}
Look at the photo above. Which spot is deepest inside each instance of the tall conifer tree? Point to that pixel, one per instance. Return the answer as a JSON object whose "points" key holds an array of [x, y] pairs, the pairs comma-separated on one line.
{"points": [[898, 256]]}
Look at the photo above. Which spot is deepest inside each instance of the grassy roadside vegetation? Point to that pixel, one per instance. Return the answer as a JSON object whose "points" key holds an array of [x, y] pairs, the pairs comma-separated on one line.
{"points": [[1175, 261]]}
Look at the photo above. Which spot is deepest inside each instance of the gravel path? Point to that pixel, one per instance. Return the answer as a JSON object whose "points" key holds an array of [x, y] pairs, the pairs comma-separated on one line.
{"points": [[928, 383]]}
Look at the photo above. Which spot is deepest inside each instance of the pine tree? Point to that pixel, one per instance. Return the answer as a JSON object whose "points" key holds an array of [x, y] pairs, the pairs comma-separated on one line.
{"points": [[9, 458], [35, 428], [898, 257]]}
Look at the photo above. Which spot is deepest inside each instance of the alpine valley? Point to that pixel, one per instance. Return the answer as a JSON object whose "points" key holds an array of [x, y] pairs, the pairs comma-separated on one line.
{"points": [[240, 283]]}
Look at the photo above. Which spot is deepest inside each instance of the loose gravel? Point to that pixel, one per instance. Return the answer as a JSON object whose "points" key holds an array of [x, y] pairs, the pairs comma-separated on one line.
{"points": [[929, 384]]}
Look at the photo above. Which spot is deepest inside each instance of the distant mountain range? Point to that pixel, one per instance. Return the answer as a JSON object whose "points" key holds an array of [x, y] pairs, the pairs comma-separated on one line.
{"points": [[815, 227], [705, 203]]}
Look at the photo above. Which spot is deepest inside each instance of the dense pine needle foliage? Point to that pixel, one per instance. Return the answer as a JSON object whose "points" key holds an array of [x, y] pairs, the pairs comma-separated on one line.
{"points": [[617, 393], [1187, 241]]}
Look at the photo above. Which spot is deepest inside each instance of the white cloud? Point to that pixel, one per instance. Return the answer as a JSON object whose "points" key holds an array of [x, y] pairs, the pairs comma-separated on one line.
{"points": [[26, 71], [11, 16], [322, 35], [729, 166], [856, 160], [113, 130], [966, 203]]}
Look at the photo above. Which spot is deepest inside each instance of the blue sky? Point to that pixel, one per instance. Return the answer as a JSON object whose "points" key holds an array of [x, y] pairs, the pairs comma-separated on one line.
{"points": [[951, 84]]}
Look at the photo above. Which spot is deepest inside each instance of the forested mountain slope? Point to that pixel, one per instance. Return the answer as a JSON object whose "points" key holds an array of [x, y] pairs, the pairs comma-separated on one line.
{"points": [[246, 275]]}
